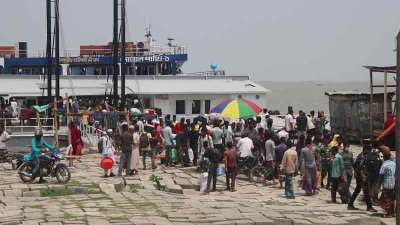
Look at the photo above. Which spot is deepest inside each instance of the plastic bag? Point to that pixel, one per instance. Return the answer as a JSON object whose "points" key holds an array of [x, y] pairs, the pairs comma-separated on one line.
{"points": [[191, 155], [174, 154], [203, 182]]}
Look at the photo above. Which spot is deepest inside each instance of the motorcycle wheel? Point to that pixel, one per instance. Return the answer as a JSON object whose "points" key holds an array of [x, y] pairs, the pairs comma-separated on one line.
{"points": [[257, 174], [26, 168], [63, 174]]}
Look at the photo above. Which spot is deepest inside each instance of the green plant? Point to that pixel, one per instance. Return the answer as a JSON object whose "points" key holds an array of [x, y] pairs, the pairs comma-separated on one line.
{"points": [[156, 179], [55, 192]]}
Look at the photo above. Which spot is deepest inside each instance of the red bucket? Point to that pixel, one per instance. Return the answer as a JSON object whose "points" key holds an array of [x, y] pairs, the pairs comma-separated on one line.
{"points": [[107, 163]]}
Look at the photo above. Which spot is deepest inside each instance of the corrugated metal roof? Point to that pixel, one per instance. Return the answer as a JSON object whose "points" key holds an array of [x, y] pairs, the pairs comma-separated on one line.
{"points": [[355, 93]]}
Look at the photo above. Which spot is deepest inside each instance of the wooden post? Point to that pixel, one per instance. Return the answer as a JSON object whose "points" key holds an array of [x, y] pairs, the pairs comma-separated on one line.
{"points": [[371, 103], [55, 112], [128, 121], [68, 130], [397, 208], [385, 105], [39, 124]]}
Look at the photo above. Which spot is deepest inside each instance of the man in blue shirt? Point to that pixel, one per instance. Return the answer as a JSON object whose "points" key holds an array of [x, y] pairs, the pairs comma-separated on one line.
{"points": [[37, 145], [387, 180]]}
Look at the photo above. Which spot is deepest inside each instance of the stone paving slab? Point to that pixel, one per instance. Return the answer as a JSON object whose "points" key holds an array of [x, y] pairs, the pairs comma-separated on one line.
{"points": [[95, 201]]}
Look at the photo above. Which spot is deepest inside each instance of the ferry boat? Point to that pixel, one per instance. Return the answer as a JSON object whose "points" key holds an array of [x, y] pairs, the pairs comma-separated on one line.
{"points": [[154, 73]]}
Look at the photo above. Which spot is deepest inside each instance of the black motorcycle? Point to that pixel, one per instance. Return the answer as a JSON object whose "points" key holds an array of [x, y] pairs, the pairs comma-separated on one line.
{"points": [[49, 166], [245, 164], [259, 173]]}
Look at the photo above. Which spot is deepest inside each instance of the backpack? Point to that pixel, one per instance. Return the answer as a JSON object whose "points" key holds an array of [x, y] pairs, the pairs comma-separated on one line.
{"points": [[144, 140], [373, 162], [100, 146]]}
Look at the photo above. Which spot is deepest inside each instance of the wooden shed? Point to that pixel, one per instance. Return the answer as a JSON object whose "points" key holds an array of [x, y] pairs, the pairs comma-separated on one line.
{"points": [[350, 113]]}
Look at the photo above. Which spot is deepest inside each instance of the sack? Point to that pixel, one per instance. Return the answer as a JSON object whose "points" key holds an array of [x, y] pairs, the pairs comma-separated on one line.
{"points": [[190, 154], [144, 140]]}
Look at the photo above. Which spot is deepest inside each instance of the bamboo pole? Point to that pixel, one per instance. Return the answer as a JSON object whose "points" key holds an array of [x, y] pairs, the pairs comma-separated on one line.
{"points": [[55, 112], [385, 106], [39, 124], [70, 160]]}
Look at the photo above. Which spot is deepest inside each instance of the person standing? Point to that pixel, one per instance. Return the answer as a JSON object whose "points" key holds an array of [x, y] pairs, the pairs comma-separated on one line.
{"points": [[108, 151], [194, 137], [337, 172], [182, 144], [325, 162], [279, 153], [289, 168], [374, 163], [217, 135], [269, 155], [204, 137], [310, 171], [230, 166], [148, 150], [289, 123], [301, 122], [348, 163], [126, 150], [135, 156], [361, 180], [4, 137], [228, 133], [387, 181], [214, 157], [168, 142]]}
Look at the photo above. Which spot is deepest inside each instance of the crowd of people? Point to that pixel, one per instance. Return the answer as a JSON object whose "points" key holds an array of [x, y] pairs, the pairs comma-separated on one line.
{"points": [[303, 147]]}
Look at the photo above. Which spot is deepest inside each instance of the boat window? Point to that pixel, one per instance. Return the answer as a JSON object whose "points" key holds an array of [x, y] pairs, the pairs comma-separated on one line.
{"points": [[180, 107], [207, 106], [196, 107]]}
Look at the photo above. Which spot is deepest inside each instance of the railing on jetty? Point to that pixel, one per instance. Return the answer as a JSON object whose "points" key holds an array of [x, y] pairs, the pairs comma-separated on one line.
{"points": [[18, 127]]}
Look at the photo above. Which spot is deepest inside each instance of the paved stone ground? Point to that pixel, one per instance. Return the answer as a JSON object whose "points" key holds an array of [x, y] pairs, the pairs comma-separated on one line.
{"points": [[94, 200]]}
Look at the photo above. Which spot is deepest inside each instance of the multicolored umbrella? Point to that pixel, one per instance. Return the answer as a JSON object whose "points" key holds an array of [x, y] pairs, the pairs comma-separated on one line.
{"points": [[237, 108]]}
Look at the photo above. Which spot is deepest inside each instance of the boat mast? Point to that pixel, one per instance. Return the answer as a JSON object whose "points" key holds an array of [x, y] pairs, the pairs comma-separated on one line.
{"points": [[48, 50], [57, 48], [115, 55], [123, 61]]}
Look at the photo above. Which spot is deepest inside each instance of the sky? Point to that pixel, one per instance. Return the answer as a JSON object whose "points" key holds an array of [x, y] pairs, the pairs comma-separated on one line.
{"points": [[297, 40]]}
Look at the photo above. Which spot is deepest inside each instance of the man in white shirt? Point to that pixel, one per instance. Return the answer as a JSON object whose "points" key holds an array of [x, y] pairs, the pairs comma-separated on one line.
{"points": [[260, 123], [282, 134], [263, 114], [4, 136], [289, 122], [245, 145]]}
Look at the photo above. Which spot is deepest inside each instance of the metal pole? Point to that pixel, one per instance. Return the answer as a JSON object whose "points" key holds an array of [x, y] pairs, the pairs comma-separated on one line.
{"points": [[371, 103], [48, 50], [115, 55], [398, 131], [123, 62], [57, 50]]}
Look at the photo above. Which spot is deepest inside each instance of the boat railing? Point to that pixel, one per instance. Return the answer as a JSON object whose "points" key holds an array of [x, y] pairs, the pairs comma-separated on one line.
{"points": [[92, 134], [205, 73], [17, 127], [153, 50]]}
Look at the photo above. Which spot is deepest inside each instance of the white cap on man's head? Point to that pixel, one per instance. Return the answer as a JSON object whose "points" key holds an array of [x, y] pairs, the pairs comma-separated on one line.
{"points": [[109, 131]]}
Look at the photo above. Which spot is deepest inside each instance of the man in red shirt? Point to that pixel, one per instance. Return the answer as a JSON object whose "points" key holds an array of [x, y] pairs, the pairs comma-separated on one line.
{"points": [[230, 166], [389, 139], [179, 126]]}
